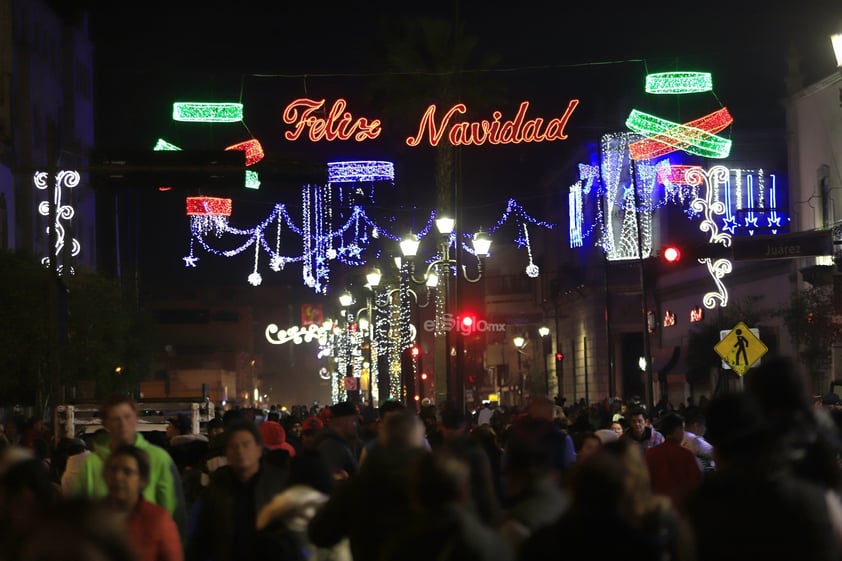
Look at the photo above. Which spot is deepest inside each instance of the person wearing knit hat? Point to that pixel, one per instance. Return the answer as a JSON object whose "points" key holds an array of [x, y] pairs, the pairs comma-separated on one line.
{"points": [[312, 425], [339, 441], [275, 437]]}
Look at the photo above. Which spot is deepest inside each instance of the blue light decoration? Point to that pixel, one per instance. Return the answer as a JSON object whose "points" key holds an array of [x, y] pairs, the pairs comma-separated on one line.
{"points": [[360, 171], [750, 197], [575, 214], [320, 241]]}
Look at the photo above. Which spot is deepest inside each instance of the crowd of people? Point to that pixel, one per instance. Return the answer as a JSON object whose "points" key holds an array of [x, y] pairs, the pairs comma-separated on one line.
{"points": [[748, 475]]}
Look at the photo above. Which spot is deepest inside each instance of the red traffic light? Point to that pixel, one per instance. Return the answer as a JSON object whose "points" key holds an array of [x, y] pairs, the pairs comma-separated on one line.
{"points": [[414, 351], [559, 357], [467, 321], [671, 254], [423, 375]]}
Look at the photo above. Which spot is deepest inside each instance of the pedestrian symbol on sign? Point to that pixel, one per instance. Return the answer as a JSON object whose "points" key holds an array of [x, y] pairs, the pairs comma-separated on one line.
{"points": [[740, 348], [741, 345]]}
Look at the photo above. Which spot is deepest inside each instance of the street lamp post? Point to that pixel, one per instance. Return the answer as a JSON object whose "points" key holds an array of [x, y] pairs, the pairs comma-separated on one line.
{"points": [[373, 280], [544, 332], [438, 273], [519, 343]]}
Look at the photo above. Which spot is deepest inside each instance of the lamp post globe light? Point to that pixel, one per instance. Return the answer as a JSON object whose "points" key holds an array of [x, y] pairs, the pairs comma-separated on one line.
{"points": [[520, 342], [450, 383]]}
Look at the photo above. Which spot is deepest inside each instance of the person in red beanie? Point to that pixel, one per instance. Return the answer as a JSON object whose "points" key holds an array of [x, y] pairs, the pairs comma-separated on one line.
{"points": [[277, 450]]}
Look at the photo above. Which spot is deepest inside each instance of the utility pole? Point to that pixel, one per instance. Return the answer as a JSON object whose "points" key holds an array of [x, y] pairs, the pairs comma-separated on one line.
{"points": [[49, 386]]}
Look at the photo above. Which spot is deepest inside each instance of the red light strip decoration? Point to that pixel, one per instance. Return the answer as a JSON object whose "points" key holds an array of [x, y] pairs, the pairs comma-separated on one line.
{"points": [[252, 148], [661, 145], [207, 214], [691, 139], [208, 206], [674, 174], [477, 133]]}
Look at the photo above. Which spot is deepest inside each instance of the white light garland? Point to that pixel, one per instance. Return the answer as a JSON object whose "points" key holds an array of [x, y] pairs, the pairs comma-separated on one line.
{"points": [[63, 212]]}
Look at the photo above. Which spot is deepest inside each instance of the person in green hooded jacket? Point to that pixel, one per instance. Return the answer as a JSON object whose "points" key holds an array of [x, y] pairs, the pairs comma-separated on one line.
{"points": [[118, 413]]}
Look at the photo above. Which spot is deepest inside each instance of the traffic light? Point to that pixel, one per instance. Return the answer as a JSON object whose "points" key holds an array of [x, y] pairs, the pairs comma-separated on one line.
{"points": [[467, 323], [559, 357], [422, 378], [414, 351], [671, 254]]}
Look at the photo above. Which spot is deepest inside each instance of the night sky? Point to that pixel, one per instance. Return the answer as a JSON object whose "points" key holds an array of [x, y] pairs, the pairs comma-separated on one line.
{"points": [[149, 54]]}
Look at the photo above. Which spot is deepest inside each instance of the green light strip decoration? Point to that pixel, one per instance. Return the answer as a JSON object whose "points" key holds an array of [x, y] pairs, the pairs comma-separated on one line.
{"points": [[252, 180], [679, 82], [654, 147], [162, 146], [697, 141], [207, 112]]}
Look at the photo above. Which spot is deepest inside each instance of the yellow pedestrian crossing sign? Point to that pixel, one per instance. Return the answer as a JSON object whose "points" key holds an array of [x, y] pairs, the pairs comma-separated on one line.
{"points": [[740, 348]]}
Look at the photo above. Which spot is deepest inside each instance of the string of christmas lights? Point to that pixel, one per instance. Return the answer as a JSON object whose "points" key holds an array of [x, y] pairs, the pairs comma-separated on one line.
{"points": [[317, 237]]}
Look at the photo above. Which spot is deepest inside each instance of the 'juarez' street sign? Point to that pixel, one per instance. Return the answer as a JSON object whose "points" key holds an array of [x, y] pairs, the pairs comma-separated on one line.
{"points": [[783, 246]]}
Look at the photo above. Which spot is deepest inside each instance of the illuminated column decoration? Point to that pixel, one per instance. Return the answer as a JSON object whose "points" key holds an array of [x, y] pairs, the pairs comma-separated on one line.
{"points": [[710, 209], [395, 349], [198, 112], [252, 148], [360, 172], [163, 146], [63, 212], [625, 210], [575, 217], [441, 295], [698, 140], [208, 214], [678, 82]]}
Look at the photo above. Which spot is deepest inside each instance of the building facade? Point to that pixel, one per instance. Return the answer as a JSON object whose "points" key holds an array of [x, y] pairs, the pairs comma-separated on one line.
{"points": [[46, 125]]}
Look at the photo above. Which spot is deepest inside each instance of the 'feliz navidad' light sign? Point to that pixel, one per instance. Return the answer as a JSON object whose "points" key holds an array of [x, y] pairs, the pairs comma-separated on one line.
{"points": [[312, 119], [338, 124]]}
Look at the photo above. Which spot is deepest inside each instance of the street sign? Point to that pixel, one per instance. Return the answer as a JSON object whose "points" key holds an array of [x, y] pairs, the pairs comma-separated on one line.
{"points": [[783, 246], [740, 348]]}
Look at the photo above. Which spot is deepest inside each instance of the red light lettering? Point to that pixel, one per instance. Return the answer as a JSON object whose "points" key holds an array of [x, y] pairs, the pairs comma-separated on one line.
{"points": [[338, 125], [466, 133]]}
